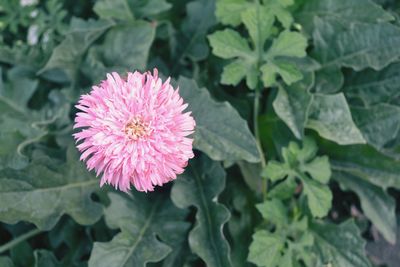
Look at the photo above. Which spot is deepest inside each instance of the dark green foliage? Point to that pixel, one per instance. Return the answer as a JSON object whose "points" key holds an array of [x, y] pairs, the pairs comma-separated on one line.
{"points": [[297, 141]]}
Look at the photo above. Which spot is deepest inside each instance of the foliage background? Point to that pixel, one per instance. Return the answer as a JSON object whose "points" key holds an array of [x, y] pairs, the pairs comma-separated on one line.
{"points": [[297, 105]]}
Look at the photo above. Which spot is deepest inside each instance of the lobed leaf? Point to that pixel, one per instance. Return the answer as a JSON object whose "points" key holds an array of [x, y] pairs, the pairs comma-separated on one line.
{"points": [[200, 186]]}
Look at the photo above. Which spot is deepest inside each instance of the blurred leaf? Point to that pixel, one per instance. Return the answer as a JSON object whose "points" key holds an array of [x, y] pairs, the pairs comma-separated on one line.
{"points": [[266, 248], [343, 11], [223, 136], [146, 223], [339, 245], [199, 19], [229, 44], [45, 258], [6, 262], [377, 205], [379, 124], [67, 55], [251, 174], [364, 162], [46, 190], [200, 186], [292, 105], [229, 11], [129, 9], [274, 211], [127, 47], [319, 197], [330, 116], [359, 47], [113, 9], [374, 87], [289, 44]]}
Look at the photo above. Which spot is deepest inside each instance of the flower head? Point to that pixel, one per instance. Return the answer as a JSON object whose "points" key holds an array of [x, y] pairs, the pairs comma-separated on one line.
{"points": [[134, 131]]}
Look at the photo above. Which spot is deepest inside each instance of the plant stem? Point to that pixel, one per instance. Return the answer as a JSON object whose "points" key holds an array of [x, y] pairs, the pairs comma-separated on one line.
{"points": [[257, 135], [18, 240]]}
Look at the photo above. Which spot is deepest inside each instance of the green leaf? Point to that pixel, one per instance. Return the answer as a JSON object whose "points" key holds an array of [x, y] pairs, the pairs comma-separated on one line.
{"points": [[339, 245], [6, 262], [229, 44], [288, 44], [288, 71], [146, 222], [234, 72], [344, 11], [127, 47], [45, 258], [275, 171], [274, 211], [265, 250], [229, 11], [223, 136], [200, 186], [319, 169], [49, 190], [377, 205], [258, 21], [379, 124], [292, 104], [330, 116], [113, 9], [319, 197], [359, 47], [373, 87], [328, 80], [67, 55], [365, 162], [129, 9], [279, 9], [199, 19]]}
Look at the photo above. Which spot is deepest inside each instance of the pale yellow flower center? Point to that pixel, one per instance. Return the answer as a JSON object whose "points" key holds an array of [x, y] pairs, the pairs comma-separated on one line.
{"points": [[136, 128]]}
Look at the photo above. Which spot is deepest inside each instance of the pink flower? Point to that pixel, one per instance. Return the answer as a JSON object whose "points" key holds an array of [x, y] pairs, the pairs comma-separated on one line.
{"points": [[135, 131]]}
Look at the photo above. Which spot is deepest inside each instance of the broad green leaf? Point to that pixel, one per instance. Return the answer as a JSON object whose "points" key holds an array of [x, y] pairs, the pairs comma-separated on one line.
{"points": [[330, 116], [199, 186], [6, 262], [328, 80], [359, 47], [45, 258], [344, 11], [146, 223], [223, 136], [284, 190], [258, 21], [45, 190], [251, 175], [265, 250], [127, 47], [67, 55], [288, 44], [364, 162], [113, 9], [274, 211], [229, 44], [376, 204], [129, 9], [373, 87], [229, 11], [339, 245], [199, 19], [240, 201], [292, 104], [319, 197], [379, 124]]}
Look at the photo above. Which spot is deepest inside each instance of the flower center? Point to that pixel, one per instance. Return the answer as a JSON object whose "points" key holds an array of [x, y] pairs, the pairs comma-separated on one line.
{"points": [[136, 128]]}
